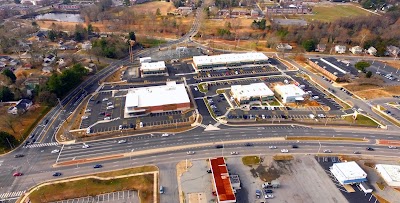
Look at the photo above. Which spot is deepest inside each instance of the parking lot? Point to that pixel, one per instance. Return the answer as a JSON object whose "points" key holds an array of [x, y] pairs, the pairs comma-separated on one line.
{"points": [[389, 74], [248, 70], [105, 112], [113, 197]]}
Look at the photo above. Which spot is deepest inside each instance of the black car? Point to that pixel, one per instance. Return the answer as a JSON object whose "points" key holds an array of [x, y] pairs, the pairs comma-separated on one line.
{"points": [[268, 191], [57, 174], [18, 155], [46, 121], [131, 125], [33, 140], [249, 144], [97, 102], [369, 149], [219, 146], [295, 146], [32, 136], [97, 166]]}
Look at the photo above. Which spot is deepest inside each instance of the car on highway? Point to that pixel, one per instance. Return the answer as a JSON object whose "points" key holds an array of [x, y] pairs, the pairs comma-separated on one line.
{"points": [[272, 147], [190, 152], [121, 141], [57, 174], [284, 150], [219, 146], [18, 155], [98, 166], [295, 146], [32, 136], [357, 152], [327, 151], [17, 174], [234, 153], [85, 146], [249, 144], [165, 135], [392, 147], [370, 149], [55, 151]]}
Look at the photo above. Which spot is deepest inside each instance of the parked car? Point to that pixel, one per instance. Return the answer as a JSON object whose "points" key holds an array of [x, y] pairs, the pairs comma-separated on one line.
{"points": [[161, 190], [268, 196], [266, 185], [258, 194], [268, 191]]}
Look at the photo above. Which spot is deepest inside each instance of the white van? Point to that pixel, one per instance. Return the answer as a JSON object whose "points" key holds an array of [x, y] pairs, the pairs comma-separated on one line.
{"points": [[110, 107]]}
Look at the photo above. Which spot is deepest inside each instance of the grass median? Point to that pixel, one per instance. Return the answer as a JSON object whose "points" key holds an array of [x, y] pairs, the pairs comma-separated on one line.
{"points": [[144, 184], [326, 138]]}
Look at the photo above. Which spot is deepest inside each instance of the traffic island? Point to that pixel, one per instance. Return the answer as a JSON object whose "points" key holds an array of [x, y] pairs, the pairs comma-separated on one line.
{"points": [[352, 139], [127, 179]]}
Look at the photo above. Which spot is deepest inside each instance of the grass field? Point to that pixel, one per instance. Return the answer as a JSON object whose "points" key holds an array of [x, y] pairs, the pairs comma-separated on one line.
{"points": [[373, 91], [361, 120], [151, 42], [329, 13], [151, 7], [92, 186], [250, 160]]}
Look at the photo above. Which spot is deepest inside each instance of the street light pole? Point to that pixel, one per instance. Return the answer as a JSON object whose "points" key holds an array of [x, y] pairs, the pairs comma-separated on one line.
{"points": [[319, 149]]}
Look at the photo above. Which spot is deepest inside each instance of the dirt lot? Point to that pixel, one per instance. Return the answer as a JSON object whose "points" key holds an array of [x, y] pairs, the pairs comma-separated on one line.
{"points": [[372, 92]]}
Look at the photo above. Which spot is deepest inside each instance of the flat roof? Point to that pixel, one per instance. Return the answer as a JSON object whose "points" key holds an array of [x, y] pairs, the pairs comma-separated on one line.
{"points": [[229, 58], [350, 170], [329, 67], [171, 93], [289, 90], [222, 181], [144, 59], [392, 171], [152, 66], [252, 90], [333, 65]]}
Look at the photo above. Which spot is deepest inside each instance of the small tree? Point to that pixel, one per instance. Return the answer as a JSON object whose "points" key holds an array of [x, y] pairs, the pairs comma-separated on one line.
{"points": [[369, 74], [52, 35], [10, 75], [309, 45], [132, 36], [361, 65], [158, 12]]}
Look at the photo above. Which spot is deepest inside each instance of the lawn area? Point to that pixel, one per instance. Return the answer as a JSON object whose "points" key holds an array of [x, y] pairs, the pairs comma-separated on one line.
{"points": [[202, 88], [250, 160], [274, 103], [151, 42], [21, 126], [151, 7], [329, 13], [93, 186], [361, 120]]}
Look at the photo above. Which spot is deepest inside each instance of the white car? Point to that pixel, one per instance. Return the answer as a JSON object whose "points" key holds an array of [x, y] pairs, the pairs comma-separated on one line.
{"points": [[272, 147], [165, 135], [234, 153], [55, 151], [327, 151], [107, 118], [88, 110], [141, 124], [284, 150], [392, 147], [190, 152], [105, 99], [268, 196], [121, 141], [85, 146], [263, 116], [120, 127], [110, 107], [109, 103], [85, 117]]}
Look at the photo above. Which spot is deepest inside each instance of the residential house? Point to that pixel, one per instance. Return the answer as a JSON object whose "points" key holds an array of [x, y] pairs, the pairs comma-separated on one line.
{"points": [[371, 51], [21, 106], [393, 50], [49, 59], [26, 66], [283, 47], [184, 10], [47, 69], [340, 49], [87, 45], [320, 47], [40, 36], [32, 82], [254, 13], [239, 12], [279, 10], [356, 50], [2, 64]]}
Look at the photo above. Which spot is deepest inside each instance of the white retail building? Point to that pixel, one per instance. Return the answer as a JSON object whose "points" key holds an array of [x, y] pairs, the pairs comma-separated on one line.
{"points": [[289, 93], [390, 173], [163, 98], [153, 69], [348, 173], [252, 92], [224, 61]]}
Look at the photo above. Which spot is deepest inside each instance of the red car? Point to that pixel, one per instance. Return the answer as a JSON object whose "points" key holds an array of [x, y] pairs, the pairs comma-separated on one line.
{"points": [[107, 115], [17, 174]]}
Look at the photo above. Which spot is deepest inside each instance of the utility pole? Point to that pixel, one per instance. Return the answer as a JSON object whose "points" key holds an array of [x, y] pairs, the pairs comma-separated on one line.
{"points": [[131, 43]]}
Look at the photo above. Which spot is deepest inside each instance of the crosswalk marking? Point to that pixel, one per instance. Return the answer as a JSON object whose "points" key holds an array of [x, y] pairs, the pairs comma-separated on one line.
{"points": [[11, 194], [217, 124], [202, 125], [41, 145]]}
